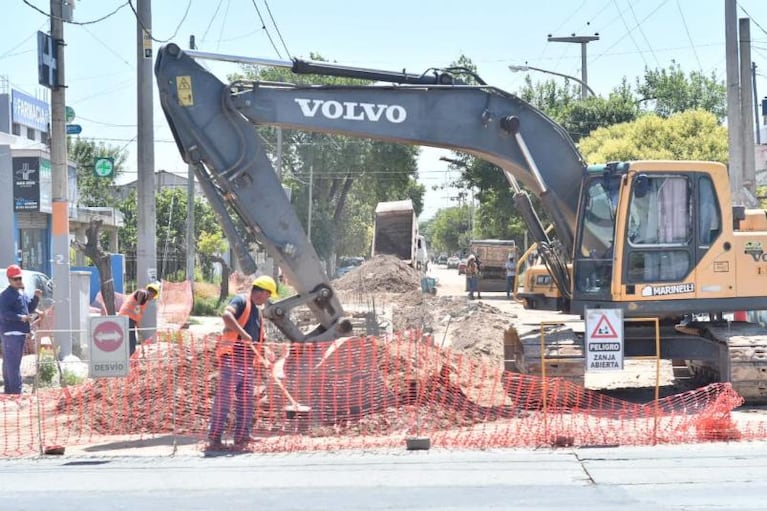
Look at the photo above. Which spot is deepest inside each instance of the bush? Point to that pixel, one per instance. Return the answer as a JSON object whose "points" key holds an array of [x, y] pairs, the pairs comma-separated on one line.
{"points": [[206, 306], [47, 370]]}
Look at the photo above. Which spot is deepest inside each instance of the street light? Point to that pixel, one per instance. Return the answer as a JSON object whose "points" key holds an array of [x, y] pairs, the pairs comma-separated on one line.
{"points": [[515, 69]]}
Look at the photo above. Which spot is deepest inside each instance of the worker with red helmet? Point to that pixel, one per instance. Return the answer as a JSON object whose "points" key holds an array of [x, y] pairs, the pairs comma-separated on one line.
{"points": [[237, 350], [134, 308], [16, 314]]}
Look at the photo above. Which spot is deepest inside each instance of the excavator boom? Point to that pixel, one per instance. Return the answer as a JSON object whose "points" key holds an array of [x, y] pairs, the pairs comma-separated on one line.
{"points": [[214, 126]]}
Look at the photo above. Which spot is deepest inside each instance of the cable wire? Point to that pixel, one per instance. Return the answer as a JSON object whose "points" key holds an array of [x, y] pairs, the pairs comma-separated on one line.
{"points": [[641, 31], [280, 34], [91, 22], [148, 31], [628, 30], [263, 25], [689, 37]]}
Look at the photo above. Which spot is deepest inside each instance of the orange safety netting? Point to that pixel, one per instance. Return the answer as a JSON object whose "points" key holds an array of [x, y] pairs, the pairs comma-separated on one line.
{"points": [[173, 306], [362, 393]]}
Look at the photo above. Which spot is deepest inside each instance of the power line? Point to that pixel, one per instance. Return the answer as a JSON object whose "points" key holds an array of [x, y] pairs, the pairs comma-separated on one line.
{"points": [[141, 23], [263, 25], [223, 25], [278, 29], [91, 22], [641, 31], [212, 19], [664, 2], [628, 30], [689, 37]]}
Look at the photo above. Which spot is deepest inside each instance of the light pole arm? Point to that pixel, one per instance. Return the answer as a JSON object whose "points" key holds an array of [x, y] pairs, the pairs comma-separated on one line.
{"points": [[531, 68]]}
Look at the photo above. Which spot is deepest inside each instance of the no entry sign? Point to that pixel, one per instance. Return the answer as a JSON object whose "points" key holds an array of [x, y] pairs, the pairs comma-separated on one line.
{"points": [[108, 342]]}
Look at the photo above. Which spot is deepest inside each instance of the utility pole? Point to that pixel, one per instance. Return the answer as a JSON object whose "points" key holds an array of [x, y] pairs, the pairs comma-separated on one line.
{"points": [[146, 252], [756, 107], [60, 197], [734, 125], [583, 40], [746, 112]]}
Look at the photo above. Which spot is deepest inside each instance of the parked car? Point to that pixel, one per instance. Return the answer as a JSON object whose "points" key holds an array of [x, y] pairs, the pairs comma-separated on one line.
{"points": [[462, 267], [442, 259], [453, 262], [36, 280], [347, 264]]}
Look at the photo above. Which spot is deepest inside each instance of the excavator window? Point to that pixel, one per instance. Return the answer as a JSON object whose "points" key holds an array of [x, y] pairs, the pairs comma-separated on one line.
{"points": [[709, 217], [659, 229]]}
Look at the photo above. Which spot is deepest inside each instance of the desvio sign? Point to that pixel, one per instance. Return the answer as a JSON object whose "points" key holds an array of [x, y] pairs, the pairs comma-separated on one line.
{"points": [[108, 343]]}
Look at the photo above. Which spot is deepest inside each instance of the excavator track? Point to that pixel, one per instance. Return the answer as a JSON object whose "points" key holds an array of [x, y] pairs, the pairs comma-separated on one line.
{"points": [[726, 351], [745, 363]]}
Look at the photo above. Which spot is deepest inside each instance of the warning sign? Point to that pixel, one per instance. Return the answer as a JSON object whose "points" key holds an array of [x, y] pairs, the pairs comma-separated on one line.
{"points": [[604, 340], [184, 90], [108, 336]]}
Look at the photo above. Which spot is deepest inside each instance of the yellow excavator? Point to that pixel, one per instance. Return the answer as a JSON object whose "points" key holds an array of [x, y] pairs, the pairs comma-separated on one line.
{"points": [[655, 239]]}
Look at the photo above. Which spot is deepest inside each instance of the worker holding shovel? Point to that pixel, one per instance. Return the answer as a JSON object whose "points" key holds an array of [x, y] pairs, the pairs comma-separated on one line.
{"points": [[239, 350]]}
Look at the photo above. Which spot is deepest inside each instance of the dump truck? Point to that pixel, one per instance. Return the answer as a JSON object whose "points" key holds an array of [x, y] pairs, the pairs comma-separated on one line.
{"points": [[492, 255], [395, 231]]}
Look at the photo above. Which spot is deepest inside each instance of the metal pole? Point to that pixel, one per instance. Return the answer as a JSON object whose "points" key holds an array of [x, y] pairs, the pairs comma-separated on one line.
{"points": [[583, 40], [60, 200], [584, 72], [146, 251], [733, 100], [309, 219], [275, 269], [190, 213]]}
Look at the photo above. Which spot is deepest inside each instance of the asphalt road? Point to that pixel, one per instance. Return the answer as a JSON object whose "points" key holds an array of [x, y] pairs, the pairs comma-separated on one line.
{"points": [[692, 477]]}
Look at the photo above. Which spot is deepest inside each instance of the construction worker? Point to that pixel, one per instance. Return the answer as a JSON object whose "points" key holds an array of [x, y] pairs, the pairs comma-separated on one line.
{"points": [[472, 276], [17, 311], [238, 349], [135, 306]]}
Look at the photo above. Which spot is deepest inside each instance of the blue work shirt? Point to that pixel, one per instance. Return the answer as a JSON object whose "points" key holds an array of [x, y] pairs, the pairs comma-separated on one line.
{"points": [[14, 304], [253, 325]]}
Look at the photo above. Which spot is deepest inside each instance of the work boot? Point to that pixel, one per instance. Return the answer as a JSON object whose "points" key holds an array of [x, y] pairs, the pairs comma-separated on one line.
{"points": [[215, 444], [479, 296], [471, 296]]}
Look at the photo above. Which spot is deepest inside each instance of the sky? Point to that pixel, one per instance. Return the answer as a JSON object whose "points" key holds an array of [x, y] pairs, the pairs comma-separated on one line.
{"points": [[100, 57]]}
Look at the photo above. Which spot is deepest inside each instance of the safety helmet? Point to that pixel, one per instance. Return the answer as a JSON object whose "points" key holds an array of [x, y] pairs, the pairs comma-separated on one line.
{"points": [[13, 271], [154, 286], [267, 284]]}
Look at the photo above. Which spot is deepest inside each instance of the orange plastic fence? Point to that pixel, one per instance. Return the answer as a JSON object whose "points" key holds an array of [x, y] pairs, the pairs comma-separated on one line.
{"points": [[173, 307], [363, 393]]}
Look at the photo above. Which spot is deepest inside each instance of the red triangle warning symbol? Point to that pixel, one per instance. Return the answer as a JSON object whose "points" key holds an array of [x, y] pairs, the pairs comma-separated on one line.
{"points": [[604, 329]]}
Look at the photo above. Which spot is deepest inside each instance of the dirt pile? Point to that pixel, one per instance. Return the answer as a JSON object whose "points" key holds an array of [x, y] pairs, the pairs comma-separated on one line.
{"points": [[473, 327], [381, 274]]}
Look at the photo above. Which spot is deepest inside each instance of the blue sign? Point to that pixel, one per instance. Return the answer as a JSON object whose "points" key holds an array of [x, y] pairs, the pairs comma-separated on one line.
{"points": [[29, 111], [47, 61], [74, 129]]}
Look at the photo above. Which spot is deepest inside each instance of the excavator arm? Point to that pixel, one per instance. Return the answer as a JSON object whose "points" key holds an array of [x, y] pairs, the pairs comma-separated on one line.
{"points": [[214, 125]]}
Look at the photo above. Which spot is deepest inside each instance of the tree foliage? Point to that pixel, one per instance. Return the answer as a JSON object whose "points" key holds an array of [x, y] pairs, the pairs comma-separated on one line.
{"points": [[691, 135], [670, 91], [94, 191]]}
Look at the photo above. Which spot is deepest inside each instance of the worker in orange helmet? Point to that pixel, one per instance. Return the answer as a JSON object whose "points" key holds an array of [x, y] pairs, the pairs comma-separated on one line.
{"points": [[134, 308], [239, 347]]}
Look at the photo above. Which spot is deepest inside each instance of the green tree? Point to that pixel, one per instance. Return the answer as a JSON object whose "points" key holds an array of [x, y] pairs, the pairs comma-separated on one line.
{"points": [[670, 91], [449, 229], [690, 135], [171, 228], [92, 190]]}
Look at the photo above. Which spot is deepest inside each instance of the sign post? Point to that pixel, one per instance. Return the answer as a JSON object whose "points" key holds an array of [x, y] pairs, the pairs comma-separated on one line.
{"points": [[108, 344], [604, 340]]}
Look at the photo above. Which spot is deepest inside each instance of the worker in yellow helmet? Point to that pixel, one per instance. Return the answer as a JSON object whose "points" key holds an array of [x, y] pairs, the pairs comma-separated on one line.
{"points": [[134, 308], [240, 345]]}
